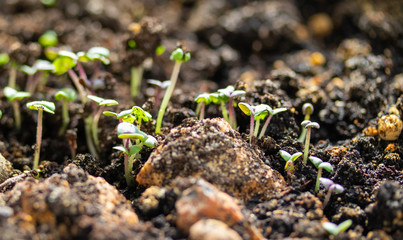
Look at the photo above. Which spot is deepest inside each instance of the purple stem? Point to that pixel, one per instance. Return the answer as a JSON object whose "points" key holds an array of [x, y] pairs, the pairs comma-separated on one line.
{"points": [[265, 126], [252, 125]]}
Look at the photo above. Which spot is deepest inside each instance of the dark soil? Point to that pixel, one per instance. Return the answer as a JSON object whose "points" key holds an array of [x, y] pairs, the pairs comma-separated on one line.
{"points": [[205, 180]]}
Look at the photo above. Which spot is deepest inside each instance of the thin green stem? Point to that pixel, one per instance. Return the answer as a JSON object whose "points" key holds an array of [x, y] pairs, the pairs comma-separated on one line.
{"points": [[263, 131], [135, 80], [198, 108], [17, 114], [88, 136], [317, 180], [94, 128], [12, 78], [202, 110], [304, 130], [224, 111], [65, 117], [256, 127], [77, 84], [307, 141], [232, 117], [38, 139], [167, 96]]}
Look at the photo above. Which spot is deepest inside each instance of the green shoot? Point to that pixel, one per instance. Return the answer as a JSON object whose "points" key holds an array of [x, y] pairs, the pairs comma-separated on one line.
{"points": [[14, 96], [128, 132], [290, 159], [319, 164], [229, 93], [335, 229], [307, 110], [272, 112], [40, 106], [4, 59], [141, 115], [65, 95], [202, 100], [94, 126], [308, 125], [48, 39], [179, 56], [221, 99], [160, 87], [256, 113], [331, 187]]}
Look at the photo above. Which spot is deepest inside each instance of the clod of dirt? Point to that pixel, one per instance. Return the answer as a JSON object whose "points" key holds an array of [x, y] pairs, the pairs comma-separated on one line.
{"points": [[387, 212], [212, 150], [213, 230], [390, 127], [72, 205], [5, 169]]}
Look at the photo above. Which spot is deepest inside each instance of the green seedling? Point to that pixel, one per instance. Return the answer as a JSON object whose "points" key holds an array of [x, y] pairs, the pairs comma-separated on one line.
{"points": [[1, 114], [48, 3], [130, 115], [202, 100], [319, 164], [65, 95], [14, 97], [37, 74], [179, 56], [308, 125], [160, 87], [40, 106], [335, 229], [159, 50], [128, 133], [290, 159], [48, 39], [4, 59], [230, 93], [218, 98], [141, 115], [256, 113], [94, 126], [271, 112], [331, 187], [307, 110]]}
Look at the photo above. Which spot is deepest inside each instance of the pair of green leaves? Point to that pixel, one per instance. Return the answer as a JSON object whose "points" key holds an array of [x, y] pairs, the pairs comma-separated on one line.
{"points": [[42, 105], [12, 95], [320, 164], [127, 130], [39, 65], [131, 115], [259, 111]]}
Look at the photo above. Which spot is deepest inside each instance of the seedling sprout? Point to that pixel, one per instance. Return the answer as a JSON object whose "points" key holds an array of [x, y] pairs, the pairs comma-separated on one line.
{"points": [[335, 229], [202, 100], [65, 95], [272, 112], [256, 113], [331, 187], [160, 87], [229, 93], [48, 39], [221, 99], [290, 159], [179, 56], [40, 106], [14, 96], [308, 125], [307, 110], [319, 164]]}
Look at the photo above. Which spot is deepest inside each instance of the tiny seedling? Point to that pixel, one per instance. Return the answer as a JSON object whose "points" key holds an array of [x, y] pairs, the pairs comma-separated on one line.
{"points": [[37, 74], [307, 110], [319, 164], [141, 115], [94, 126], [4, 59], [48, 39], [202, 100], [14, 96], [290, 159], [40, 106], [130, 115], [128, 132], [256, 113], [65, 95], [1, 114], [180, 56], [335, 229], [308, 125], [160, 87], [331, 187], [228, 94], [272, 112], [218, 98]]}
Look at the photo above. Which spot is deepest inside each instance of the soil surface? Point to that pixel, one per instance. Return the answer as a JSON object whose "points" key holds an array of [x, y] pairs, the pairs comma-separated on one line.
{"points": [[206, 179]]}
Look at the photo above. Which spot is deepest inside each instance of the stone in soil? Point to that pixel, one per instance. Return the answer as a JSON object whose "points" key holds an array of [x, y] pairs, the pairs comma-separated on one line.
{"points": [[212, 150]]}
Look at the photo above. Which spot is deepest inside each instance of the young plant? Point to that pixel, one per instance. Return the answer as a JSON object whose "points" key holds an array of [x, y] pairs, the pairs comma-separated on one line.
{"points": [[319, 164], [202, 100], [37, 74], [335, 229], [179, 56], [65, 95], [94, 126], [160, 87], [307, 110], [141, 115], [308, 125], [40, 106], [48, 39], [14, 96], [131, 115], [255, 113], [290, 159], [228, 94], [128, 133], [331, 187], [272, 112], [218, 98]]}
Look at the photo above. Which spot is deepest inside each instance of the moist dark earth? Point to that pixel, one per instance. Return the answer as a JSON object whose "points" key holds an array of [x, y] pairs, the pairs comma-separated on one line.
{"points": [[206, 180]]}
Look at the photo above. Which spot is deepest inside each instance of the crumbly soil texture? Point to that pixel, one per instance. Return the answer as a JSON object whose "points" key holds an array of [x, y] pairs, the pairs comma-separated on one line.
{"points": [[205, 179]]}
